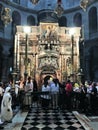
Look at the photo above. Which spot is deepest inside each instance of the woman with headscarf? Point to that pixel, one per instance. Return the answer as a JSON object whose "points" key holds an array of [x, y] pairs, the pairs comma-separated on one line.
{"points": [[6, 106]]}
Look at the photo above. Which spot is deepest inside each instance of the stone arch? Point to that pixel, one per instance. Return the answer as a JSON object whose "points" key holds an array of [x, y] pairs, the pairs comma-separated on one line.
{"points": [[77, 20], [16, 20], [93, 62], [63, 21], [30, 20], [92, 20], [1, 60], [1, 22], [45, 76]]}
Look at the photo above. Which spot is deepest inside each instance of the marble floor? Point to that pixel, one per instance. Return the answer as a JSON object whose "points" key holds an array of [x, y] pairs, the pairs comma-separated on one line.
{"points": [[48, 119], [51, 119], [94, 122]]}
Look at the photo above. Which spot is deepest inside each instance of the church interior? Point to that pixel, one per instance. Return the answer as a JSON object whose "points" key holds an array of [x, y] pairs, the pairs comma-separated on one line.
{"points": [[47, 40]]}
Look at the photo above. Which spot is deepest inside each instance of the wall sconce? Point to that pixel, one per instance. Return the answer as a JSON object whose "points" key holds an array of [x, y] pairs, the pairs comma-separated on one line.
{"points": [[5, 16]]}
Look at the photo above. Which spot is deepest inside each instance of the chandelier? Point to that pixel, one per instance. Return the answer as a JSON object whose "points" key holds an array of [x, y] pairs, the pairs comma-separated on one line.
{"points": [[34, 1], [5, 16], [59, 9], [85, 3]]}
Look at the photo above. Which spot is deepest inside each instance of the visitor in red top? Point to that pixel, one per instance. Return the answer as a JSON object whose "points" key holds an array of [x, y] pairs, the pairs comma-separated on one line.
{"points": [[68, 89]]}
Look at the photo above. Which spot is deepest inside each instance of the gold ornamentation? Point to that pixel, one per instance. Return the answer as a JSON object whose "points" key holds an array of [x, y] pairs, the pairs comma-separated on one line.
{"points": [[84, 4], [5, 16], [34, 1]]}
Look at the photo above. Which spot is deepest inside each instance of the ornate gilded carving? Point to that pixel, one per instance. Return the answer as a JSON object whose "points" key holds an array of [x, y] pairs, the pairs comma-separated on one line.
{"points": [[5, 16], [48, 61], [84, 4], [34, 1]]}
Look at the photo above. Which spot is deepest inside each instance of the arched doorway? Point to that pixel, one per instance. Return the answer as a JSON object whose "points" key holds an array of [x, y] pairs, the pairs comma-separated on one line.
{"points": [[46, 76]]}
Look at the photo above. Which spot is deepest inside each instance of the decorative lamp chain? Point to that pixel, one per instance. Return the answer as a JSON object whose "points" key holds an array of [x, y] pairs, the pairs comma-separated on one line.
{"points": [[59, 9]]}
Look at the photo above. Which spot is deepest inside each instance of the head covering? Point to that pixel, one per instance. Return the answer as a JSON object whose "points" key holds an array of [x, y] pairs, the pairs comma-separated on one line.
{"points": [[7, 89]]}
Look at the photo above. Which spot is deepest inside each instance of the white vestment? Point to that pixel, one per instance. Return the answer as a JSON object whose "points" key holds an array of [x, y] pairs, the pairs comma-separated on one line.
{"points": [[6, 110], [16, 89]]}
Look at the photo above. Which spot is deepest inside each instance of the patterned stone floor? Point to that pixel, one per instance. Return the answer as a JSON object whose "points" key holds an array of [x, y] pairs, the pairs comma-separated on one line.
{"points": [[16, 122], [39, 119], [48, 119]]}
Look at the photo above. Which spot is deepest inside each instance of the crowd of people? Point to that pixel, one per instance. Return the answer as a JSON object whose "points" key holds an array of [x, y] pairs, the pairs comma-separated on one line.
{"points": [[67, 95], [72, 95]]}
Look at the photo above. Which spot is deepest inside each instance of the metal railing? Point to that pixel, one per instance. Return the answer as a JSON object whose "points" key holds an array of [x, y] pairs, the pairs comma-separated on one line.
{"points": [[48, 100]]}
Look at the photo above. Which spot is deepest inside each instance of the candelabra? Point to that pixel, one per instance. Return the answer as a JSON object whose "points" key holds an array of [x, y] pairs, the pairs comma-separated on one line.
{"points": [[27, 31]]}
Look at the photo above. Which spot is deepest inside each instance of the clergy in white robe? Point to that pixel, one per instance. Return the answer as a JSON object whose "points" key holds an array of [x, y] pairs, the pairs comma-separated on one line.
{"points": [[6, 106]]}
